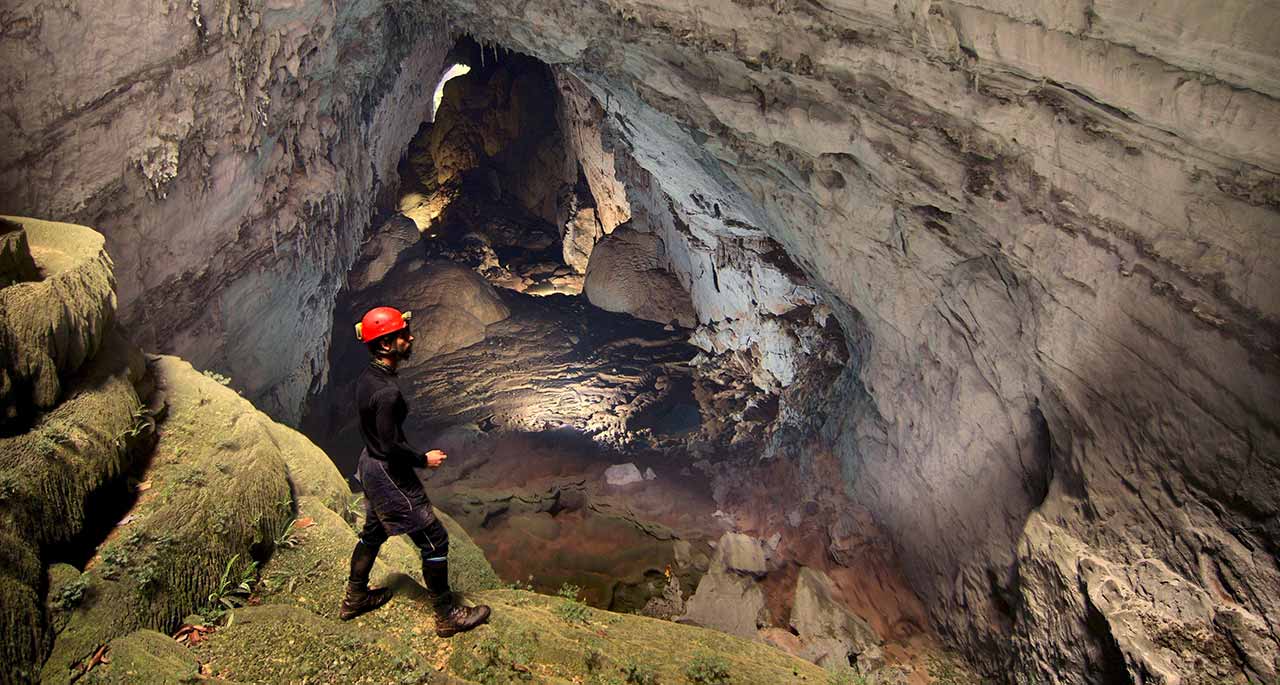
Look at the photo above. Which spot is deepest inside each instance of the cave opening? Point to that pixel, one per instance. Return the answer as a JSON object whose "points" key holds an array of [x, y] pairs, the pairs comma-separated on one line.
{"points": [[588, 410], [631, 392], [488, 180], [566, 424]]}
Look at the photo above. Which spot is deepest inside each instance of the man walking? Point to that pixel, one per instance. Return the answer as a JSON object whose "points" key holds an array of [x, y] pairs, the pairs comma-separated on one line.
{"points": [[395, 503]]}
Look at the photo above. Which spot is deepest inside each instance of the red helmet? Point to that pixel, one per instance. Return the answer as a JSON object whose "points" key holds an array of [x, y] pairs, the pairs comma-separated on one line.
{"points": [[381, 321]]}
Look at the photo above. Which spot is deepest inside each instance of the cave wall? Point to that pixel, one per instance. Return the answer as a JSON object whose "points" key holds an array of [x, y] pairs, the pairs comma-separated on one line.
{"points": [[1050, 233], [231, 152]]}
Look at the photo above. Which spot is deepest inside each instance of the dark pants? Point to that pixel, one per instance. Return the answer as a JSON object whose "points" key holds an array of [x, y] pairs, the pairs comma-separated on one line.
{"points": [[432, 540], [410, 513]]}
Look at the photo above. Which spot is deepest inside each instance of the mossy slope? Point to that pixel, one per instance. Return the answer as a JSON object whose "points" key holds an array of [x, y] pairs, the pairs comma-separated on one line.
{"points": [[218, 494], [294, 635]]}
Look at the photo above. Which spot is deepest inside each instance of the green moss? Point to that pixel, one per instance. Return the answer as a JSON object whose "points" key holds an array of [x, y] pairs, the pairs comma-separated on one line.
{"points": [[46, 475], [145, 656], [47, 472], [278, 644], [217, 479], [49, 328]]}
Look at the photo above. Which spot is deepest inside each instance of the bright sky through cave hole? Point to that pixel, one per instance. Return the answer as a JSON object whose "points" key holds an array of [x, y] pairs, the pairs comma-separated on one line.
{"points": [[452, 72]]}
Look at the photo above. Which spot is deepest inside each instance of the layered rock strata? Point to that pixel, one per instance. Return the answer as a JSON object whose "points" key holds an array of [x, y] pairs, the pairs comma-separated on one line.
{"points": [[1048, 233], [1049, 236], [230, 152]]}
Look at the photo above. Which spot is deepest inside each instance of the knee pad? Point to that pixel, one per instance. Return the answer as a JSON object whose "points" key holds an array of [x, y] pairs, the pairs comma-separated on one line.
{"points": [[432, 543]]}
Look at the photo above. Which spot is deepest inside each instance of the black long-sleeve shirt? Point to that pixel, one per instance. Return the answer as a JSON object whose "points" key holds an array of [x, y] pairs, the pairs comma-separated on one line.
{"points": [[382, 413]]}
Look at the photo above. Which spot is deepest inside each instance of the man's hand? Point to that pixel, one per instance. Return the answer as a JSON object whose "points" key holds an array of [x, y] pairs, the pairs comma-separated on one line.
{"points": [[435, 458]]}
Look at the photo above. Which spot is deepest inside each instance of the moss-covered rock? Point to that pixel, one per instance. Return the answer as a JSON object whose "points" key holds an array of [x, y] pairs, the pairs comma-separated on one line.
{"points": [[219, 496], [145, 656], [50, 327], [46, 476], [47, 472]]}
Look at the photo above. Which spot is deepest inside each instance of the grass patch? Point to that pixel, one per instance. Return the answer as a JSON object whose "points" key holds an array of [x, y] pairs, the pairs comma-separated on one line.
{"points": [[708, 669], [571, 610]]}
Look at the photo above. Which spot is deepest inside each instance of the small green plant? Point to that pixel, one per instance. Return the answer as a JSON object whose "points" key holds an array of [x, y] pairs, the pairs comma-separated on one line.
{"points": [[221, 379], [639, 674], [114, 559], [594, 660], [707, 669], [191, 476], [70, 595], [572, 611], [233, 591], [503, 660], [518, 584], [353, 509], [288, 537], [147, 575], [143, 422]]}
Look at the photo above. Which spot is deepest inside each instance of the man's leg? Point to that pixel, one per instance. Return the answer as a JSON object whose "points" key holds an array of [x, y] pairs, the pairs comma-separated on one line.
{"points": [[451, 618], [360, 598]]}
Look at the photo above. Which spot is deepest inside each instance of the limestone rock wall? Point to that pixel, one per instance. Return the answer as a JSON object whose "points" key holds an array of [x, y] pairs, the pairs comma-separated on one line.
{"points": [[1049, 231], [229, 151]]}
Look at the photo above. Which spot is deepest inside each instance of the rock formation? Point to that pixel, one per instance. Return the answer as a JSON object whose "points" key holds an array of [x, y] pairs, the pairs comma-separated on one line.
{"points": [[1047, 232], [1048, 235], [230, 152]]}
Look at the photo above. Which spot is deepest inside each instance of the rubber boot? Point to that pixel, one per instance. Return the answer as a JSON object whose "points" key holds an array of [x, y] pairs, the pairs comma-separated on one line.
{"points": [[360, 600]]}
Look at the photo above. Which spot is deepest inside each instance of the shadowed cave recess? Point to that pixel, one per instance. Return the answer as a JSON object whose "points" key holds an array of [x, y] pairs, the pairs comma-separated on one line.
{"points": [[920, 342]]}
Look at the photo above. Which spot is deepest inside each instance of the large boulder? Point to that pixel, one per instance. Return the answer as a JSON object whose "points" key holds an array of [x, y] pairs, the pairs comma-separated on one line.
{"points": [[451, 304], [219, 493], [382, 251], [741, 553], [830, 634], [624, 275], [729, 597]]}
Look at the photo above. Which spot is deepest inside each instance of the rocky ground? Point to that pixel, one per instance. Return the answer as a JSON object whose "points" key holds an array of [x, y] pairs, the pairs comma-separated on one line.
{"points": [[1043, 235], [218, 545]]}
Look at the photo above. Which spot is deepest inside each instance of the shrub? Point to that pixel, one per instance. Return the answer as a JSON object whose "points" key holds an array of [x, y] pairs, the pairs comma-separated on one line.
{"points": [[70, 595], [572, 611], [503, 660], [639, 674], [707, 669]]}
